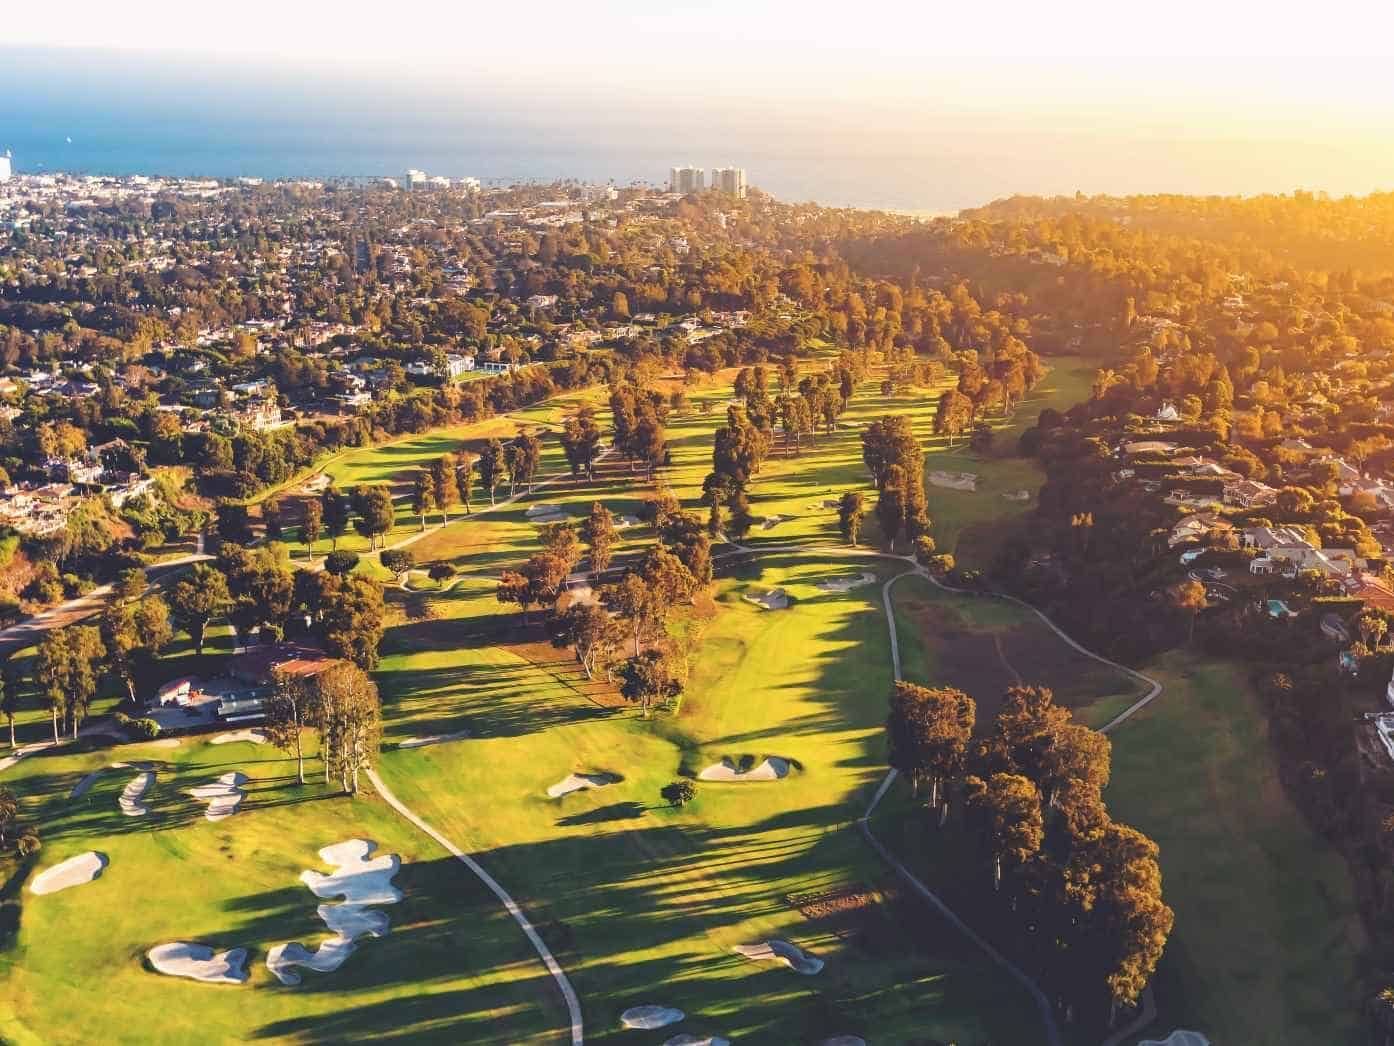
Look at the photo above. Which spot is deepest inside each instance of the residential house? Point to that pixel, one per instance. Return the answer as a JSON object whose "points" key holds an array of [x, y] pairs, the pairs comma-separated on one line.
{"points": [[1249, 493], [1195, 527]]}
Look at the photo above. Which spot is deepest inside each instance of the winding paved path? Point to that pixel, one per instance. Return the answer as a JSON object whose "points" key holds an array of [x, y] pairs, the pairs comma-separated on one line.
{"points": [[573, 1004]]}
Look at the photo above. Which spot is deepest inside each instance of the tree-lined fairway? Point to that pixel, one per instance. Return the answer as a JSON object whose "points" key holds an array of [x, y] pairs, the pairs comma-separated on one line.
{"points": [[641, 902], [647, 901]]}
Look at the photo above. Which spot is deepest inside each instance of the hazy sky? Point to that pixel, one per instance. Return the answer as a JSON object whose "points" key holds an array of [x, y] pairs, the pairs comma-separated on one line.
{"points": [[1092, 92]]}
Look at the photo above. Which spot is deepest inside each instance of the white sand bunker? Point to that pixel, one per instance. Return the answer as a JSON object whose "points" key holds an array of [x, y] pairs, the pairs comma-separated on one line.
{"points": [[85, 785], [73, 872], [224, 796], [774, 599], [542, 509], [1180, 1037], [361, 881], [791, 955], [954, 480], [846, 584], [1017, 495], [165, 742], [844, 1040], [578, 782], [254, 737], [696, 1040], [132, 796], [646, 1018], [770, 769], [773, 521], [198, 962], [625, 522], [433, 739]]}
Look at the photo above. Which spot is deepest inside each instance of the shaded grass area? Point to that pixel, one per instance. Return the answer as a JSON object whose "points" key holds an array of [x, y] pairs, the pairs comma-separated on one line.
{"points": [[1267, 933], [983, 646]]}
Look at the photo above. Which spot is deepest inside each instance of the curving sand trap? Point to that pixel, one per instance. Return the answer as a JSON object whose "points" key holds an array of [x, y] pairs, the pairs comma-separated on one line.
{"points": [[846, 584], [542, 508], [577, 782], [647, 1018], [255, 737], [198, 962], [361, 880], [73, 872], [791, 955], [166, 742], [774, 599], [224, 796], [844, 1040], [84, 786], [433, 739], [696, 1040], [773, 521], [1180, 1037], [132, 795], [954, 480], [770, 769]]}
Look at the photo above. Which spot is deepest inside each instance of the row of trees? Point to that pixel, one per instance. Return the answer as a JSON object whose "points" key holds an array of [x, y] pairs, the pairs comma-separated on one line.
{"points": [[1030, 799], [341, 705]]}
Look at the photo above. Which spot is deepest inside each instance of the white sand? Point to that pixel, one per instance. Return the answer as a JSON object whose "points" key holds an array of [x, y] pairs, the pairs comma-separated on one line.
{"points": [[844, 1040], [1180, 1037], [166, 742], [550, 518], [576, 782], [646, 1018], [773, 521], [73, 872], [224, 796], [82, 787], [361, 880], [433, 739], [954, 480], [791, 955], [255, 737], [132, 795], [846, 584], [1017, 495], [774, 599], [542, 509], [771, 769], [625, 522], [198, 962], [694, 1040]]}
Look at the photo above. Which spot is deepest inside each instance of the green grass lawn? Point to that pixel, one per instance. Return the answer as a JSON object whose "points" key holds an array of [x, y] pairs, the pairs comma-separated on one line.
{"points": [[453, 968]]}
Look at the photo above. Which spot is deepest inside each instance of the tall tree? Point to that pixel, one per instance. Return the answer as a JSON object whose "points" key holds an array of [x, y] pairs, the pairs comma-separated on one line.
{"points": [[1010, 808], [311, 524], [336, 514], [349, 720], [445, 489], [9, 696], [289, 712], [351, 620], [928, 732], [491, 467], [197, 598], [850, 511], [423, 495], [464, 478], [376, 513], [600, 536]]}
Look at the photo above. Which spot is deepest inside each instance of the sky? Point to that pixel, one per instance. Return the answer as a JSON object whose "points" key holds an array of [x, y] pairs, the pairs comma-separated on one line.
{"points": [[1192, 96]]}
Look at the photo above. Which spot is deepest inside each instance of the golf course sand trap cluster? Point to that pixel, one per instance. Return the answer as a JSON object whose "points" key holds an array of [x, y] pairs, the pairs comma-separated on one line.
{"points": [[696, 1040], [647, 1018], [791, 955], [198, 962], [772, 768], [579, 782], [433, 739], [1180, 1037], [254, 737], [84, 786], [133, 795], [774, 599], [846, 584], [954, 480], [224, 796], [362, 881], [73, 872]]}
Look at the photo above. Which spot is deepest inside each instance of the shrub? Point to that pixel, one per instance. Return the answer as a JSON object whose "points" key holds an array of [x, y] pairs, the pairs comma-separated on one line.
{"points": [[145, 729], [341, 562], [678, 793], [925, 549], [29, 843]]}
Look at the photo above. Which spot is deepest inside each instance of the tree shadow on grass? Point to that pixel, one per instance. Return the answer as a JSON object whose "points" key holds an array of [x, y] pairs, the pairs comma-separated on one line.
{"points": [[614, 812]]}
